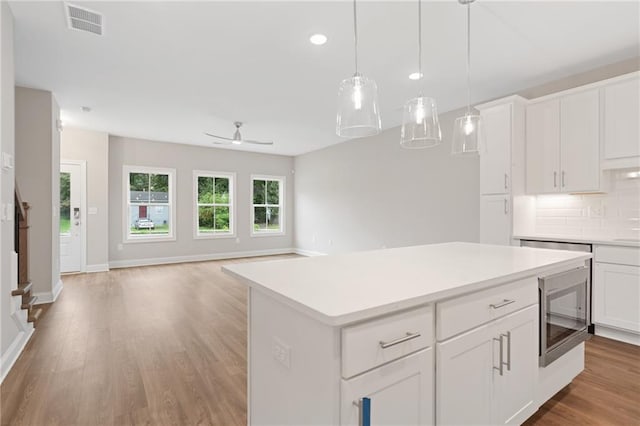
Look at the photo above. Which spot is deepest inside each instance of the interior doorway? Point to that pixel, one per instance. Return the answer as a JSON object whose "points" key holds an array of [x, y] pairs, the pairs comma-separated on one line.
{"points": [[72, 216]]}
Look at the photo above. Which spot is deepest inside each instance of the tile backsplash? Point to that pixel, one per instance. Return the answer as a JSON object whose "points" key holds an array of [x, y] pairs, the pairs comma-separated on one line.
{"points": [[614, 214]]}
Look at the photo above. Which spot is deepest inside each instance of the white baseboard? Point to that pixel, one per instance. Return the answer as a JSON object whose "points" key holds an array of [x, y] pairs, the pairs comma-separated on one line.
{"points": [[308, 253], [49, 296], [15, 349], [196, 258], [616, 334], [98, 267]]}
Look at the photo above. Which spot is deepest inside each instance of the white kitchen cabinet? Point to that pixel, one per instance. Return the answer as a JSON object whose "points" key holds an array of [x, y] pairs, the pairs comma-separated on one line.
{"points": [[563, 144], [495, 219], [495, 156], [488, 375], [622, 119], [399, 393], [616, 296]]}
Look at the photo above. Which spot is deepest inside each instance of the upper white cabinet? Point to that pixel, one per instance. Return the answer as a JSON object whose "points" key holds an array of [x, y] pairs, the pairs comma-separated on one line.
{"points": [[495, 158], [621, 119], [495, 219], [563, 144]]}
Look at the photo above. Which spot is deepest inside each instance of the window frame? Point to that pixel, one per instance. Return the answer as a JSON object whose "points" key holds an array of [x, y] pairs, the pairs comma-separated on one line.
{"points": [[232, 210], [281, 205], [128, 237]]}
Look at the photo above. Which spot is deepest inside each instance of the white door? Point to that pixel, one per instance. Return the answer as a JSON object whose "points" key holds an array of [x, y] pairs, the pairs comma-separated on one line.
{"points": [[514, 390], [543, 147], [616, 296], [70, 218], [621, 123], [580, 142], [464, 378], [399, 393], [495, 219], [495, 158]]}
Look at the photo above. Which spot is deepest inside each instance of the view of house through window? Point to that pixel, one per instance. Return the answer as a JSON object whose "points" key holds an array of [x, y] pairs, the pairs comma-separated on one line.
{"points": [[214, 204], [149, 204], [267, 205]]}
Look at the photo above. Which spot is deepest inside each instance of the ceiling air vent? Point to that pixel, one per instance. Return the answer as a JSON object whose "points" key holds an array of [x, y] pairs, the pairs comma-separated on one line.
{"points": [[83, 19]]}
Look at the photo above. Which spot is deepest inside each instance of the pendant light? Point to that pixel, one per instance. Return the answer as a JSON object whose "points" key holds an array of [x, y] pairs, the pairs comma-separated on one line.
{"points": [[420, 125], [466, 129], [358, 110]]}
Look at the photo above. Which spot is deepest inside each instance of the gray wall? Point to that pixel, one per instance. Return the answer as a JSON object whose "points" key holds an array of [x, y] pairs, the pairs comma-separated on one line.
{"points": [[92, 147], [185, 159], [38, 177], [8, 328], [371, 193]]}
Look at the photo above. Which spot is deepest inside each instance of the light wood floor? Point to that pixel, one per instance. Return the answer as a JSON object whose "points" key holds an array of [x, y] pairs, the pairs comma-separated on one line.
{"points": [[166, 345]]}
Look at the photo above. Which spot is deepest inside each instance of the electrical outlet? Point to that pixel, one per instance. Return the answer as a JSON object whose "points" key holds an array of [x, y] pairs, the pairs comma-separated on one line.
{"points": [[281, 353], [120, 247], [237, 240], [596, 212]]}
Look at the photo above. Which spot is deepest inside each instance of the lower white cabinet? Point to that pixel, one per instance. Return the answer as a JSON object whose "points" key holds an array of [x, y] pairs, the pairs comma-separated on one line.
{"points": [[495, 219], [616, 296], [398, 393], [488, 375]]}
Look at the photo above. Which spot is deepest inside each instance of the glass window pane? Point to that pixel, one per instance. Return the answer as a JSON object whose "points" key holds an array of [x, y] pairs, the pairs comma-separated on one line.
{"points": [[222, 190], [65, 203], [222, 219], [205, 219], [259, 191], [273, 218], [159, 188], [205, 190], [139, 187], [273, 192], [259, 219], [149, 220]]}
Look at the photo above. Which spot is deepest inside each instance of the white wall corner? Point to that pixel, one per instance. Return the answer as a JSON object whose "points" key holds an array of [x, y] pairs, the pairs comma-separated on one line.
{"points": [[98, 267], [10, 357]]}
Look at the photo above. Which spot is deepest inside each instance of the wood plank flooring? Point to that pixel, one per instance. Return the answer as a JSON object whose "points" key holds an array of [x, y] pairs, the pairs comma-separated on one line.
{"points": [[166, 345]]}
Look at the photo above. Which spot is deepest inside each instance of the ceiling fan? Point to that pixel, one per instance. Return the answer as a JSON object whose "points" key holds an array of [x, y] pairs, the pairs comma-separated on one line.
{"points": [[237, 138]]}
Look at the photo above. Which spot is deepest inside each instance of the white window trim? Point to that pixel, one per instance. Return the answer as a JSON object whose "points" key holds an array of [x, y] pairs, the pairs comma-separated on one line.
{"points": [[128, 238], [283, 183], [232, 210]]}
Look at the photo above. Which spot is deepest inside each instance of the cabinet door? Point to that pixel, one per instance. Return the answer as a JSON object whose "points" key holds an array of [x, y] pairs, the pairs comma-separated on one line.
{"points": [[464, 378], [514, 390], [495, 157], [621, 120], [579, 142], [495, 219], [401, 392], [616, 296], [543, 147]]}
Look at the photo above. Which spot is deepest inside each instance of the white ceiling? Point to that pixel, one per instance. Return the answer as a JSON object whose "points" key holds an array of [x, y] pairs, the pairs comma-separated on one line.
{"points": [[169, 71]]}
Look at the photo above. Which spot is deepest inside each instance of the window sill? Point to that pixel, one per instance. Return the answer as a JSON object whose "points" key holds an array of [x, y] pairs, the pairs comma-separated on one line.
{"points": [[214, 236], [268, 234], [136, 240]]}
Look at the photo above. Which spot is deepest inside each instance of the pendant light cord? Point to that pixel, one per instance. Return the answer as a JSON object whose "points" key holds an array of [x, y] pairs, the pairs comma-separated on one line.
{"points": [[420, 75], [355, 34], [468, 58]]}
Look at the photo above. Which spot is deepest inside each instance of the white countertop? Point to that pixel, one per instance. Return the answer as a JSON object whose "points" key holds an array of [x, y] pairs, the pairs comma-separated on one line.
{"points": [[584, 240], [341, 289]]}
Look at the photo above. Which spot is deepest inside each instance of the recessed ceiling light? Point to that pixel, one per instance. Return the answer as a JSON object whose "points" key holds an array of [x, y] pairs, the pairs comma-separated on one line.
{"points": [[318, 39], [415, 76]]}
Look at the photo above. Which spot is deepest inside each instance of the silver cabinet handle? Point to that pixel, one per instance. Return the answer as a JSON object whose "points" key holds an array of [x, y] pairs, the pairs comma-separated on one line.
{"points": [[409, 336], [364, 411], [504, 303], [506, 181], [506, 206], [555, 179], [501, 361], [508, 336], [563, 185]]}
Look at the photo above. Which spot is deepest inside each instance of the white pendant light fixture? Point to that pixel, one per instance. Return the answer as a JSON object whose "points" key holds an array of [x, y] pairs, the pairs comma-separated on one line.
{"points": [[420, 125], [358, 110], [466, 129]]}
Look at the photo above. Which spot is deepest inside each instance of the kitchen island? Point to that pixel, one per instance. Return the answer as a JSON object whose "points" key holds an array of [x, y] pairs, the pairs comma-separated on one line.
{"points": [[435, 334]]}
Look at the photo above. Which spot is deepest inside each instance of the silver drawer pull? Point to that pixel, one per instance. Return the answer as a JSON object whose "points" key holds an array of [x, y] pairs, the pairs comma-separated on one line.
{"points": [[505, 302], [409, 336]]}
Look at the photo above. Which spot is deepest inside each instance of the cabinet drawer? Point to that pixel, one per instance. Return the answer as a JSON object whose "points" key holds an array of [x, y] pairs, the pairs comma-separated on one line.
{"points": [[619, 255], [362, 344], [466, 312]]}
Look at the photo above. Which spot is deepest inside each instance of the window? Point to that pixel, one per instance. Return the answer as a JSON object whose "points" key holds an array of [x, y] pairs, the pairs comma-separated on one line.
{"points": [[267, 211], [150, 203], [214, 198]]}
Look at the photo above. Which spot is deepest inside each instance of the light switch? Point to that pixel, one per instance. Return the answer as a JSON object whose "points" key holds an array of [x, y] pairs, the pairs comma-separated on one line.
{"points": [[7, 161]]}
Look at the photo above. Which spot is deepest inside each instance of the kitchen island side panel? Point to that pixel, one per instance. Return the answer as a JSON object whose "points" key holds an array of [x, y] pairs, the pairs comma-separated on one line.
{"points": [[291, 357]]}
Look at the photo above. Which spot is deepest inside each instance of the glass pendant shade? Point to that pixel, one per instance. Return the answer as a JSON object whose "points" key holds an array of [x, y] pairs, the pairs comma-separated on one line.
{"points": [[420, 125], [466, 135], [358, 110]]}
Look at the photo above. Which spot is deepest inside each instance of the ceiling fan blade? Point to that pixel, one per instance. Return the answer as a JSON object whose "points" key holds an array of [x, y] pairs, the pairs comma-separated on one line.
{"points": [[219, 137], [257, 142]]}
